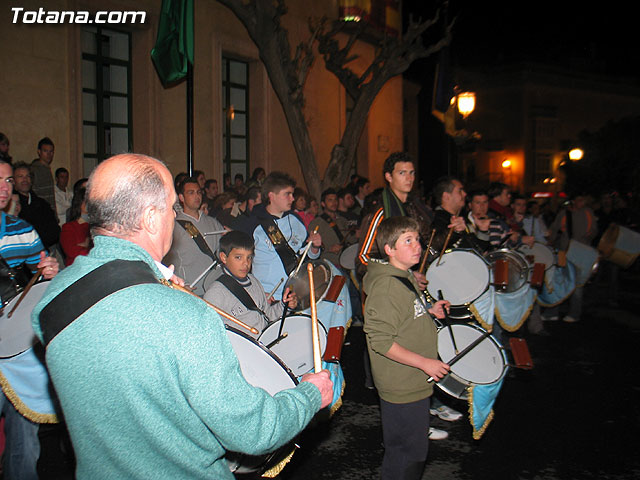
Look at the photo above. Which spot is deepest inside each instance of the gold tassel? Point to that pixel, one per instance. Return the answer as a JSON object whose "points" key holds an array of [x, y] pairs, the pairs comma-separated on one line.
{"points": [[22, 408]]}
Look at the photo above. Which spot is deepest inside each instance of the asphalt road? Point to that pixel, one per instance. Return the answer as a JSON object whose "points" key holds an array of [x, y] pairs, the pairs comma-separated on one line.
{"points": [[574, 416]]}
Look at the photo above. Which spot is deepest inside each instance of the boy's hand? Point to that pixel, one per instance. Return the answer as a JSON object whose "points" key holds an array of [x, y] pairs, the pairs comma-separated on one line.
{"points": [[421, 279], [435, 368], [439, 308], [290, 298], [49, 266]]}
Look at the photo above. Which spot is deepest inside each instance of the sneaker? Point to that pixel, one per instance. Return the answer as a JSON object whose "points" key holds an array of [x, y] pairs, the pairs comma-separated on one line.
{"points": [[445, 413], [551, 318], [569, 319], [437, 434]]}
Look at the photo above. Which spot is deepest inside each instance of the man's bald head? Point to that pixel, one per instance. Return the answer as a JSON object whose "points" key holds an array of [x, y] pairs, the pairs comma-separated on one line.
{"points": [[121, 187]]}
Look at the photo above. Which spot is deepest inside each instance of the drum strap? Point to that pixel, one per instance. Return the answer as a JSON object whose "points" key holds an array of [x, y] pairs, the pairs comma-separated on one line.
{"points": [[239, 292], [197, 237], [283, 249], [333, 225], [85, 292], [407, 283]]}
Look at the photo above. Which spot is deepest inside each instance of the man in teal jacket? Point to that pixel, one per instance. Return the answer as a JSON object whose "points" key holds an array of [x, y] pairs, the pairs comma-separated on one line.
{"points": [[149, 384]]}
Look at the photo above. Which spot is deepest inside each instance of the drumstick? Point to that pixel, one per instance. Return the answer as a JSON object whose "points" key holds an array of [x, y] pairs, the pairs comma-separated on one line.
{"points": [[199, 277], [220, 312], [446, 241], [273, 292], [446, 316], [426, 252], [317, 360], [466, 350], [304, 253], [32, 281]]}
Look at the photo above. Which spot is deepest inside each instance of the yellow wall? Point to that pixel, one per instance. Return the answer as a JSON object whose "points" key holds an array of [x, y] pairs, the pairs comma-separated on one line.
{"points": [[41, 86]]}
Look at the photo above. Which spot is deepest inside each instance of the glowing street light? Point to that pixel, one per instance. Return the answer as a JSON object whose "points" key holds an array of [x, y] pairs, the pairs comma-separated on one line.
{"points": [[506, 163], [466, 103], [576, 154]]}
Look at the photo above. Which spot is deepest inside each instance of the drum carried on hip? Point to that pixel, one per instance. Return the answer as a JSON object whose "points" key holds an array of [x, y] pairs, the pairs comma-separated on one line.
{"points": [[510, 270], [261, 368], [462, 276], [16, 332], [294, 344], [485, 363], [620, 245]]}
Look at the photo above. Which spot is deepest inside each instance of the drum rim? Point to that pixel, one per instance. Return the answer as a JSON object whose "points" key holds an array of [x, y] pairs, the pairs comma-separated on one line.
{"points": [[266, 350], [314, 262], [526, 268], [547, 247], [500, 347], [472, 251]]}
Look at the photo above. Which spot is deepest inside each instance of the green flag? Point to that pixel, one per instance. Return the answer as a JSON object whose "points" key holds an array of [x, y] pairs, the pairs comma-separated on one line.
{"points": [[173, 50]]}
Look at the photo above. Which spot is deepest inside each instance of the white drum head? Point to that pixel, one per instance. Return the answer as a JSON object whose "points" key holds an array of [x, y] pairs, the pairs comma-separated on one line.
{"points": [[540, 252], [16, 333], [348, 257], [296, 349], [484, 364], [260, 367], [462, 276]]}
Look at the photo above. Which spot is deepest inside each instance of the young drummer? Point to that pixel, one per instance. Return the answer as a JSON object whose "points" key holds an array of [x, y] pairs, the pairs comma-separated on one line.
{"points": [[237, 291], [402, 343]]}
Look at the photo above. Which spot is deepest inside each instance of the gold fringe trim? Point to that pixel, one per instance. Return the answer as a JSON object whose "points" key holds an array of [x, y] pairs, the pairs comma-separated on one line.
{"points": [[275, 471], [477, 433], [22, 408], [479, 319], [510, 328], [559, 302], [338, 404]]}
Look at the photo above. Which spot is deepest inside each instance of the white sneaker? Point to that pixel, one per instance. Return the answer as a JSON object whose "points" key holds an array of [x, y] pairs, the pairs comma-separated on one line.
{"points": [[570, 319], [437, 434], [445, 413]]}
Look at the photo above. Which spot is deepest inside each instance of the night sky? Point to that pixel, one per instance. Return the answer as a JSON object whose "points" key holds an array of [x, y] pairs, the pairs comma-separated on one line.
{"points": [[599, 39]]}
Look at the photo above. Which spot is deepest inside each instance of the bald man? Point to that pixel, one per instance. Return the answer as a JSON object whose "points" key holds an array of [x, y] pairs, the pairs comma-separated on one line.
{"points": [[148, 381]]}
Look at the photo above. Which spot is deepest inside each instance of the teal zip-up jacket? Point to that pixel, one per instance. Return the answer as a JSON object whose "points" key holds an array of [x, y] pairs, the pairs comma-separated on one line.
{"points": [[150, 386]]}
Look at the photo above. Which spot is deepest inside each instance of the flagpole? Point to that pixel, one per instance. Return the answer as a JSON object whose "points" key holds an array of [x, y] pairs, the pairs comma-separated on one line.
{"points": [[189, 119]]}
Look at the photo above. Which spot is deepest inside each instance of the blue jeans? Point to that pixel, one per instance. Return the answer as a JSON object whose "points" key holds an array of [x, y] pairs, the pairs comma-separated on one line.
{"points": [[22, 447]]}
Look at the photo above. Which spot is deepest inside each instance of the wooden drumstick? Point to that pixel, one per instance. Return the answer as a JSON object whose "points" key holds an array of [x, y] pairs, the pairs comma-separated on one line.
{"points": [[426, 252], [304, 253], [32, 281], [446, 241], [317, 360], [220, 312]]}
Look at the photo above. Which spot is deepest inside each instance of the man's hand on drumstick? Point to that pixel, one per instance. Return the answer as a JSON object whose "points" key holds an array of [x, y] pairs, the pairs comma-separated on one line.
{"points": [[457, 223], [323, 382], [483, 223], [316, 239], [438, 309], [49, 266], [290, 298], [174, 278], [528, 240]]}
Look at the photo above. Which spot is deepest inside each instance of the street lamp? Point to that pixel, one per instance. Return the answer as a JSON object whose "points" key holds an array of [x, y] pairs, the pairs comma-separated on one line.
{"points": [[466, 103], [576, 154]]}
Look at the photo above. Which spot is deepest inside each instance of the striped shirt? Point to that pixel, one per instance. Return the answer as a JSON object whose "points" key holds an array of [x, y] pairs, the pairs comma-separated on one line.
{"points": [[19, 242]]}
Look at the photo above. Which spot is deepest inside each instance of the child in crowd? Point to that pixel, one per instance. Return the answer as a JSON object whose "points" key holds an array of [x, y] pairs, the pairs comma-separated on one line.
{"points": [[238, 292], [402, 344]]}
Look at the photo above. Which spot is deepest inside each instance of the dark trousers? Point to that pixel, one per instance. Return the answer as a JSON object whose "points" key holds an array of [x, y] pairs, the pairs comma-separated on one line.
{"points": [[405, 432]]}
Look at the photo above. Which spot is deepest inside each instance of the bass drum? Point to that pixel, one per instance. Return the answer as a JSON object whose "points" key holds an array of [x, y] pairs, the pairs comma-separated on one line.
{"points": [[486, 363], [261, 368], [295, 349], [16, 333], [462, 276], [299, 283]]}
